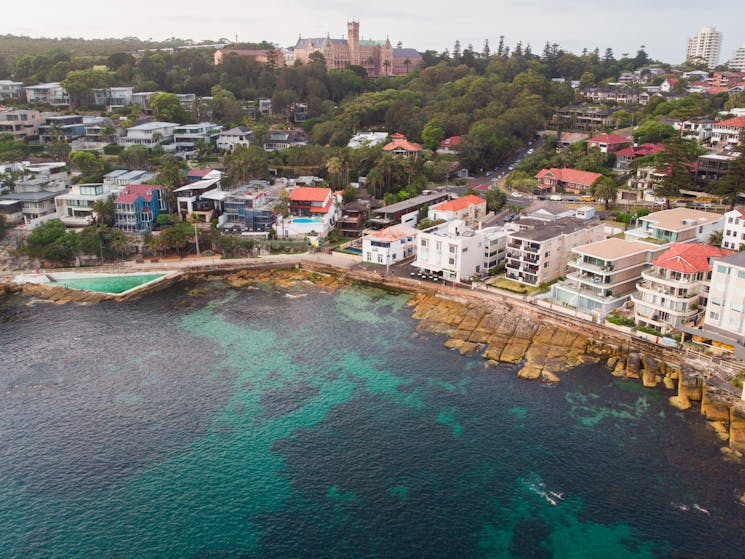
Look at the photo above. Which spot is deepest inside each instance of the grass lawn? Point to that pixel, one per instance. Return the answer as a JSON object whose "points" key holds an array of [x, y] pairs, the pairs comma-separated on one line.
{"points": [[512, 286]]}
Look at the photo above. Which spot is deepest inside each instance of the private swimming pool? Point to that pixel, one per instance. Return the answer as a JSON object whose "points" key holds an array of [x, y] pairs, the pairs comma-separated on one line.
{"points": [[306, 220]]}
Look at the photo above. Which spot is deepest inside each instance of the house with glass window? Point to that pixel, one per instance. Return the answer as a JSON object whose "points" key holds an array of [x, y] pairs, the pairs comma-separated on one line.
{"points": [[138, 206], [603, 275], [677, 225], [723, 323], [676, 286], [456, 252], [390, 245], [74, 207]]}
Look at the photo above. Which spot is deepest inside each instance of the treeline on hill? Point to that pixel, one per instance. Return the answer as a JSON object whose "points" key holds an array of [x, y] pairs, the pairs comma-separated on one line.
{"points": [[495, 100]]}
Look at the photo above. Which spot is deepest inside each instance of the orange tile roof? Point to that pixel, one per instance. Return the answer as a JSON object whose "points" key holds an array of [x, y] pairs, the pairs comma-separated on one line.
{"points": [[737, 122], [309, 194], [450, 142], [404, 144], [609, 139], [459, 203], [689, 258], [572, 176]]}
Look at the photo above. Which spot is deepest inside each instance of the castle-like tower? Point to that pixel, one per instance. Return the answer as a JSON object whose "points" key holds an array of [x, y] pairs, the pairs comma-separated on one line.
{"points": [[353, 40]]}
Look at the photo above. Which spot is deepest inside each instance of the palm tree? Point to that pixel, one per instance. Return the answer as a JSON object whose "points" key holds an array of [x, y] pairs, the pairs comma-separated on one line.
{"points": [[387, 66], [376, 180], [334, 167], [715, 239], [606, 189], [103, 211], [407, 63]]}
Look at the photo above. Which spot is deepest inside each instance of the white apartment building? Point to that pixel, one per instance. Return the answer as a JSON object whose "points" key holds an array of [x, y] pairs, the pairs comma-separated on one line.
{"points": [[725, 310], [74, 207], [455, 252], [733, 235], [11, 90], [676, 286], [149, 134], [705, 47], [677, 225], [49, 94], [390, 245], [737, 62], [238, 136]]}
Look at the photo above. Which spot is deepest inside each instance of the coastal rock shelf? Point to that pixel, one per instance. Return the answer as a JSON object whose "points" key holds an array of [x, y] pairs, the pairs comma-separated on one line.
{"points": [[503, 336]]}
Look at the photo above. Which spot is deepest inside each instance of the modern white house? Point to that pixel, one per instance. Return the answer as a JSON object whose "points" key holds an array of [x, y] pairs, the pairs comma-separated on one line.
{"points": [[11, 90], [390, 245], [676, 286], [74, 206], [455, 252], [113, 97], [149, 134], [48, 94], [238, 136], [677, 225], [367, 139], [186, 136], [123, 177], [36, 196]]}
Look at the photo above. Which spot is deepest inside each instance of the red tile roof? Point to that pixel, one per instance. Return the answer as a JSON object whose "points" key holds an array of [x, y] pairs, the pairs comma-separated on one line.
{"points": [[198, 172], [450, 142], [609, 139], [397, 136], [309, 194], [640, 151], [689, 258], [572, 176], [459, 203], [404, 144], [133, 191], [737, 122]]}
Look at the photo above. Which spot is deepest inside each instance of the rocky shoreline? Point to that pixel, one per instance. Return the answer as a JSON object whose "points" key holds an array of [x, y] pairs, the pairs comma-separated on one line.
{"points": [[500, 331]]}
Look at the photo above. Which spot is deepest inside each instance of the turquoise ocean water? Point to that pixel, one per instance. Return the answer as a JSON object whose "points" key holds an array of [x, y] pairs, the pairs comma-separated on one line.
{"points": [[257, 424]]}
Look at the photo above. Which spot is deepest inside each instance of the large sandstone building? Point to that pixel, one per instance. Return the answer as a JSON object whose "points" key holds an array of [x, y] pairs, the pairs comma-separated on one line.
{"points": [[378, 58]]}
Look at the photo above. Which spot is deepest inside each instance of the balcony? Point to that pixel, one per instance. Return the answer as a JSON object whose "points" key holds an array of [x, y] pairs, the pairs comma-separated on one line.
{"points": [[581, 264]]}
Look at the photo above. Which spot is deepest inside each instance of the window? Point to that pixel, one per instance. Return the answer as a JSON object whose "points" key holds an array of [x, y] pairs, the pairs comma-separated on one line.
{"points": [[713, 315], [722, 269]]}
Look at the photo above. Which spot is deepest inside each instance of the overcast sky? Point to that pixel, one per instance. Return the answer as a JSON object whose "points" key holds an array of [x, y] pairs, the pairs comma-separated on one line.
{"points": [[662, 25]]}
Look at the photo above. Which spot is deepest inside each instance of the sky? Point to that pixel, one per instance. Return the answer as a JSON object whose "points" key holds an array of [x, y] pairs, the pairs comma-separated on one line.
{"points": [[663, 26]]}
